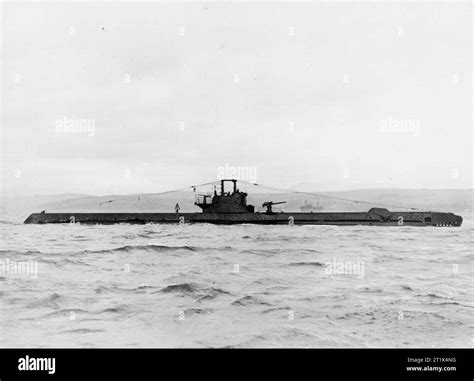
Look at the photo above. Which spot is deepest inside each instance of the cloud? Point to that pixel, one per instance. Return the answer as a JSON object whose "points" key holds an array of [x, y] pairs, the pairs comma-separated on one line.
{"points": [[296, 90]]}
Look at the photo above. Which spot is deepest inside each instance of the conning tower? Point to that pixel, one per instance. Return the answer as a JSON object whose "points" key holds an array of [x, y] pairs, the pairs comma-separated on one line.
{"points": [[224, 202]]}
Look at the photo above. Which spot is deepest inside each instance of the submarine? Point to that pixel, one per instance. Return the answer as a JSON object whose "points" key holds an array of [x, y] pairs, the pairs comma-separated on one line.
{"points": [[227, 208]]}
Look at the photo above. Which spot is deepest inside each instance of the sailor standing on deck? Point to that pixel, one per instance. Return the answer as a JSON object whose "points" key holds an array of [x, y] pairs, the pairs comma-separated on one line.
{"points": [[176, 208]]}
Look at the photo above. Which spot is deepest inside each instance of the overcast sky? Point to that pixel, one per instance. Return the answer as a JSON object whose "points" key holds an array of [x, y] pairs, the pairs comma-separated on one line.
{"points": [[104, 98]]}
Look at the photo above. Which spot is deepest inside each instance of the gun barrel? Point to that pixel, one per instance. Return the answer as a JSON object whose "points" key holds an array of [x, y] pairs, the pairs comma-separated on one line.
{"points": [[273, 203]]}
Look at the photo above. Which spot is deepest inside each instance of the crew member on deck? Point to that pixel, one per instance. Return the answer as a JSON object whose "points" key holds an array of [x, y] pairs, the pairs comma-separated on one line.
{"points": [[176, 208]]}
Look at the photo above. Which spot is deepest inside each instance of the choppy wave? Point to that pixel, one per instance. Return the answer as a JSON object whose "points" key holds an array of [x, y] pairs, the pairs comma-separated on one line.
{"points": [[15, 253], [317, 264], [153, 248], [202, 293], [183, 288], [81, 331], [52, 301], [250, 300]]}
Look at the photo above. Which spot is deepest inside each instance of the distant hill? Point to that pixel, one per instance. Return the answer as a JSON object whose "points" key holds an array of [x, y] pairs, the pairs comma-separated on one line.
{"points": [[21, 203]]}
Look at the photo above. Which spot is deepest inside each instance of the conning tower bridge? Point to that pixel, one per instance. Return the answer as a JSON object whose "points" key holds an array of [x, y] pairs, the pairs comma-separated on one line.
{"points": [[224, 202]]}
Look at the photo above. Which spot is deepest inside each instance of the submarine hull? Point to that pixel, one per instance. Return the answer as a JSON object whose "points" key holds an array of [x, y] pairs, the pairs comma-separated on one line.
{"points": [[377, 217]]}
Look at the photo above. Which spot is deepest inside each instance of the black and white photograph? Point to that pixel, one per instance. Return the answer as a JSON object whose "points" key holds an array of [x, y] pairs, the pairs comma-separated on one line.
{"points": [[233, 175]]}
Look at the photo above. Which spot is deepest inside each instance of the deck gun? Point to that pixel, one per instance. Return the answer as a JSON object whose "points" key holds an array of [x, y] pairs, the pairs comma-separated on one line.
{"points": [[269, 205]]}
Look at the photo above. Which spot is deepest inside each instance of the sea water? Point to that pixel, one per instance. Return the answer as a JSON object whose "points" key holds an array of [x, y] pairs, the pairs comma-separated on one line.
{"points": [[73, 285]]}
